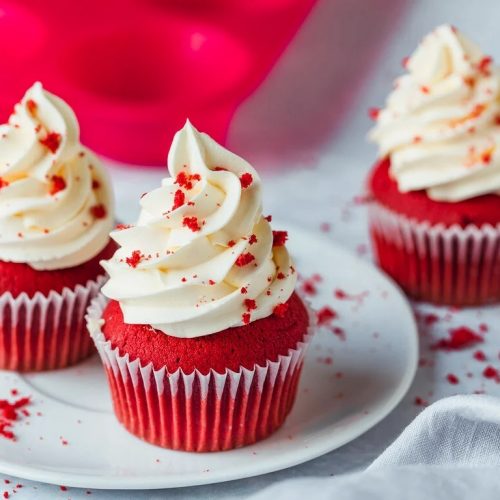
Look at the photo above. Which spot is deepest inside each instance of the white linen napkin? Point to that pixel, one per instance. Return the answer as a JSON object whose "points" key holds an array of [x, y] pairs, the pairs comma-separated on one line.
{"points": [[450, 451]]}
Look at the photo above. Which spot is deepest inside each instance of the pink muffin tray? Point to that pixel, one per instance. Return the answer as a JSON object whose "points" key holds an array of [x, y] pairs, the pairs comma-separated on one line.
{"points": [[134, 70]]}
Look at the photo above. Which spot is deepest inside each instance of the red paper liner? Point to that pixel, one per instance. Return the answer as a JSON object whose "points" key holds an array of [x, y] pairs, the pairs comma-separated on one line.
{"points": [[444, 265], [196, 412], [46, 332]]}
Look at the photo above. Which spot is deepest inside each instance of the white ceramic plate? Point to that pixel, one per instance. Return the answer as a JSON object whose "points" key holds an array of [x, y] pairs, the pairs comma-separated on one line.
{"points": [[347, 387]]}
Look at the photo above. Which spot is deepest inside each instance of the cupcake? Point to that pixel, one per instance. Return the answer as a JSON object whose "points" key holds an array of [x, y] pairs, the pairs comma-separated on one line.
{"points": [[200, 331], [435, 211], [56, 211]]}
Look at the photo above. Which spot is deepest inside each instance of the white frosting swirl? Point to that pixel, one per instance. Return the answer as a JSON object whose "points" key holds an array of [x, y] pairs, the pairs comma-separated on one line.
{"points": [[441, 124], [201, 257], [56, 206]]}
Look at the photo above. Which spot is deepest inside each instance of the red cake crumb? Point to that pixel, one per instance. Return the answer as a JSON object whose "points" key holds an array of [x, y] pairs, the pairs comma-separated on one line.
{"points": [[309, 287], [135, 259], [279, 238], [431, 318], [452, 379], [31, 106], [121, 227], [484, 65], [63, 488], [483, 328], [325, 315], [246, 180], [185, 180], [179, 199], [245, 318], [219, 169], [252, 239], [98, 211], [244, 259], [280, 310], [339, 332], [373, 113], [280, 276], [9, 413], [250, 304], [3, 183], [51, 141], [460, 338], [243, 290], [95, 184], [57, 183], [269, 218], [491, 373], [191, 223], [231, 243], [420, 401], [479, 355]]}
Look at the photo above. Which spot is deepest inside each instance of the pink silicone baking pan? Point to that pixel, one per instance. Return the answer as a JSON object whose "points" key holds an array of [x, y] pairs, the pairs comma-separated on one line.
{"points": [[134, 70]]}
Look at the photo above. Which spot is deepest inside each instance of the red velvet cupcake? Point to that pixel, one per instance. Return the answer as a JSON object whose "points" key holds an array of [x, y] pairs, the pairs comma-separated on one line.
{"points": [[56, 207], [435, 216], [204, 352]]}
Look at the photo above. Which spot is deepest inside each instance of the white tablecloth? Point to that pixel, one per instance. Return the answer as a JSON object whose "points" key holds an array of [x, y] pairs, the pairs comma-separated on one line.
{"points": [[342, 63]]}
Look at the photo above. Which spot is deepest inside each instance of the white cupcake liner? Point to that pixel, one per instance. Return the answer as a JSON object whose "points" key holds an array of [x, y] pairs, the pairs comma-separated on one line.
{"points": [[46, 332], [193, 411], [447, 265]]}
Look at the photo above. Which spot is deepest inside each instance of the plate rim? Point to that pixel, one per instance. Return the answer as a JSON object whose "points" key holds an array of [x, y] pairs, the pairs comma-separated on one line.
{"points": [[254, 467]]}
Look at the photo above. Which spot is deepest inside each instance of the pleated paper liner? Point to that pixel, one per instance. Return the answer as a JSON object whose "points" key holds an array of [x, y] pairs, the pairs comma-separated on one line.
{"points": [[197, 412], [46, 332], [444, 265]]}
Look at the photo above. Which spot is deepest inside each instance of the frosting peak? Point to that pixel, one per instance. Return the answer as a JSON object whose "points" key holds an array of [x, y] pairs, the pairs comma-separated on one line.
{"points": [[56, 206], [201, 258], [441, 123]]}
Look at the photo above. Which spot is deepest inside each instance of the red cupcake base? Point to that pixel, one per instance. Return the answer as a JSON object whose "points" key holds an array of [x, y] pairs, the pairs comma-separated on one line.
{"points": [[452, 265], [46, 332], [193, 411]]}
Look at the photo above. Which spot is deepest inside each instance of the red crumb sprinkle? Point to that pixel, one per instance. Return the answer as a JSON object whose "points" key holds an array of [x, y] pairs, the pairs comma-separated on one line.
{"points": [[121, 227], [191, 223], [6, 494], [491, 372], [339, 332], [244, 259], [243, 290], [479, 355], [99, 211], [3, 183], [179, 199], [325, 227], [245, 317], [483, 328], [404, 61], [31, 106], [95, 184], [424, 89], [420, 401], [280, 276], [452, 379], [325, 315], [250, 304], [280, 310], [9, 413], [185, 180], [484, 65], [246, 180], [135, 259], [51, 141], [279, 238], [373, 113], [211, 282], [309, 288], [57, 183], [460, 338], [269, 218], [220, 169], [231, 243], [431, 318], [252, 239], [63, 488]]}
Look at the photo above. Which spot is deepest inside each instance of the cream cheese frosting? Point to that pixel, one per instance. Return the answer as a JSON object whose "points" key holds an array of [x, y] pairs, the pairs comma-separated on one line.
{"points": [[201, 258], [441, 123], [56, 202]]}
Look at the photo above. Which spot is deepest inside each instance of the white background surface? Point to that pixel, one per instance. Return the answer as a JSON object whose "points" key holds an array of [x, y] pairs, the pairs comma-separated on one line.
{"points": [[342, 62]]}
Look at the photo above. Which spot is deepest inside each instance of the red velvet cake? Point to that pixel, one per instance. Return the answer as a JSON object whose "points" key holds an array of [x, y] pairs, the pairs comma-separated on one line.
{"points": [[435, 215], [57, 211], [204, 352]]}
